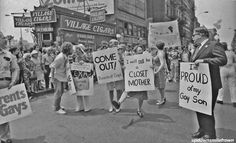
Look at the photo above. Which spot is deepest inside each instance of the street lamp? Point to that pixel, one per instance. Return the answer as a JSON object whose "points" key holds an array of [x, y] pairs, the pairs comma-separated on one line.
{"points": [[23, 15], [202, 13]]}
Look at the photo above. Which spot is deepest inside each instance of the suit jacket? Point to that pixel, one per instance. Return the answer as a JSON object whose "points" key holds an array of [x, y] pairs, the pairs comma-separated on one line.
{"points": [[213, 54]]}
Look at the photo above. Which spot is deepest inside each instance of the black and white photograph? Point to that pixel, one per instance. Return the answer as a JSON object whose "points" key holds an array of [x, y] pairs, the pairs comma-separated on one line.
{"points": [[117, 71]]}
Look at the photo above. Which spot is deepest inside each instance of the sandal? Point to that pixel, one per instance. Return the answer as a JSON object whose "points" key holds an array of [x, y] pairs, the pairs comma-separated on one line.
{"points": [[140, 114]]}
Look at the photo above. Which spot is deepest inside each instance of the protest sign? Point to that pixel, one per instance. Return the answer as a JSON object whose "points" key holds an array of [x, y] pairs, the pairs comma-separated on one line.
{"points": [[82, 74], [107, 65], [139, 75], [166, 32], [195, 91], [71, 84], [14, 103]]}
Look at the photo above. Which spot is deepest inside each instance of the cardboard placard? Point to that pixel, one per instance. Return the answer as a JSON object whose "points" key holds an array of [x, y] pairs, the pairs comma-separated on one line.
{"points": [[195, 91], [139, 75], [107, 65], [14, 103]]}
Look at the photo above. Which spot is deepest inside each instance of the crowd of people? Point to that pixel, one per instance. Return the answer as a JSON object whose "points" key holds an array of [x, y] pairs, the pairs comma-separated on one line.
{"points": [[44, 68]]}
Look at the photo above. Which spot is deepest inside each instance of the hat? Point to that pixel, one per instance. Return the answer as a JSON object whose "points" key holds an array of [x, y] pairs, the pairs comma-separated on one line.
{"points": [[34, 52], [121, 46], [26, 55]]}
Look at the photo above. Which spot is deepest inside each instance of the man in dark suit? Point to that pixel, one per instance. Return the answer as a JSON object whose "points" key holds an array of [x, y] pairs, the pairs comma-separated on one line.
{"points": [[212, 53]]}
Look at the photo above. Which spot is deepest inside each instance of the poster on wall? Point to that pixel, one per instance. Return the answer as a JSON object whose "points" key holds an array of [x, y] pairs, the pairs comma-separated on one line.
{"points": [[166, 32], [107, 65], [14, 103], [195, 92], [82, 74], [79, 5], [139, 75]]}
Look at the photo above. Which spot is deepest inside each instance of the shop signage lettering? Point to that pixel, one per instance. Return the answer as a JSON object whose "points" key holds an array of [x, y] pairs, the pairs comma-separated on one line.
{"points": [[97, 16], [20, 21], [85, 26], [43, 16]]}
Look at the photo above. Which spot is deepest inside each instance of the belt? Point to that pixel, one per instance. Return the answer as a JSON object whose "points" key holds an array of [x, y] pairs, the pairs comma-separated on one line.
{"points": [[5, 78]]}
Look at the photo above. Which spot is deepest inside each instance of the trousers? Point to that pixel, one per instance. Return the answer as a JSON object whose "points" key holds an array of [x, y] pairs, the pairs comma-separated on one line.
{"points": [[4, 128]]}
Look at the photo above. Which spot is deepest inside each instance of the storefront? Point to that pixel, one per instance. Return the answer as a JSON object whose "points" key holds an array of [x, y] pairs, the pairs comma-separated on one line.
{"points": [[80, 31], [61, 24]]}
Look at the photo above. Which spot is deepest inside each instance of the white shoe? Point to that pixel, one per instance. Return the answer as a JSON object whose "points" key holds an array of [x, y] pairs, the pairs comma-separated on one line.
{"points": [[111, 109], [117, 110], [61, 111], [78, 110]]}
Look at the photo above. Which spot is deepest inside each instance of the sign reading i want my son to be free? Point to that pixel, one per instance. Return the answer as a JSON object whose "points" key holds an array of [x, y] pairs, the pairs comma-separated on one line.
{"points": [[139, 75], [195, 91]]}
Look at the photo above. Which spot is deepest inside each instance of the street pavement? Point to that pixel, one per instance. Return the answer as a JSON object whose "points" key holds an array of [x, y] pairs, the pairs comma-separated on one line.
{"points": [[161, 124]]}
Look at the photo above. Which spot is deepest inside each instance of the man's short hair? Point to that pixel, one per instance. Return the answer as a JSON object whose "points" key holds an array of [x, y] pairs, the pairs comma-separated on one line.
{"points": [[66, 47], [202, 30]]}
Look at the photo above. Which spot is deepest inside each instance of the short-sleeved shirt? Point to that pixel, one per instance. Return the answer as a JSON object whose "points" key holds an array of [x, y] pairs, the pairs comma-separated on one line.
{"points": [[60, 64], [47, 59], [8, 64]]}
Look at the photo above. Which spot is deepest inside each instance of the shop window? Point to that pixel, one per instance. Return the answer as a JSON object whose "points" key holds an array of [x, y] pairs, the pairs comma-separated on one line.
{"points": [[47, 37], [130, 29], [134, 30], [126, 28]]}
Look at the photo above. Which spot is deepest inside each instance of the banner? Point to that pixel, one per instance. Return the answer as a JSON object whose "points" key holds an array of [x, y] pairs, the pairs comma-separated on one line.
{"points": [[82, 5], [20, 21], [166, 32], [14, 103], [195, 91], [139, 75], [82, 74], [107, 65]]}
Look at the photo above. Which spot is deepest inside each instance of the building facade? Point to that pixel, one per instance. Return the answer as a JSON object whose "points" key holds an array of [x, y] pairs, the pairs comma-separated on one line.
{"points": [[167, 10], [126, 17]]}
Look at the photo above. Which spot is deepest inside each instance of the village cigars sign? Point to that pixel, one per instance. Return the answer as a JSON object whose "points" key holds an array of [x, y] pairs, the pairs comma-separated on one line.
{"points": [[43, 16], [20, 21], [14, 103], [195, 91], [74, 24]]}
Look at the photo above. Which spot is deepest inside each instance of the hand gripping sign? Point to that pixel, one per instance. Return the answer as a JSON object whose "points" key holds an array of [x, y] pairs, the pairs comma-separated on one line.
{"points": [[138, 73], [195, 92], [107, 65], [14, 103]]}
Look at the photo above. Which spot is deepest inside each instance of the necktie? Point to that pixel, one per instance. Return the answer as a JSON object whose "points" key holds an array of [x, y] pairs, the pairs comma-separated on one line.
{"points": [[197, 45]]}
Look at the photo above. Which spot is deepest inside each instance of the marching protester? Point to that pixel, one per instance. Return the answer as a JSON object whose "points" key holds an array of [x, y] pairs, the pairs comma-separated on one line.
{"points": [[212, 53], [79, 56], [159, 63], [228, 76], [35, 57], [59, 71], [117, 86], [174, 55], [47, 59], [185, 55], [29, 74], [9, 74], [139, 95]]}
